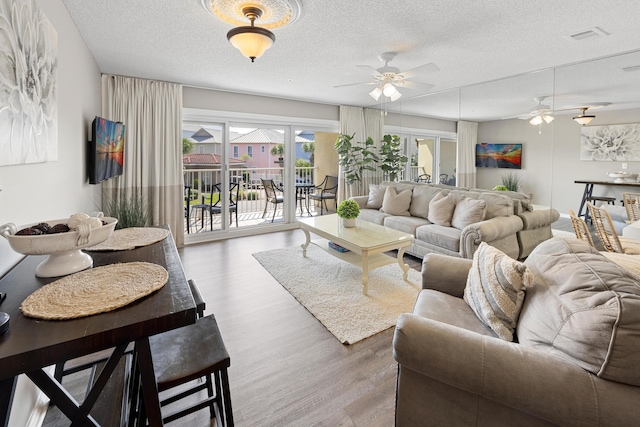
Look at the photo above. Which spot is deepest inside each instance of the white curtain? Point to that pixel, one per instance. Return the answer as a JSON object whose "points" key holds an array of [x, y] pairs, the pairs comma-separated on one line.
{"points": [[363, 122], [467, 139], [351, 122], [374, 127], [152, 114]]}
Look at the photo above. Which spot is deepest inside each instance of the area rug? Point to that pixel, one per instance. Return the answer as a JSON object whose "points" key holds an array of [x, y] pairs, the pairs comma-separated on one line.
{"points": [[331, 289]]}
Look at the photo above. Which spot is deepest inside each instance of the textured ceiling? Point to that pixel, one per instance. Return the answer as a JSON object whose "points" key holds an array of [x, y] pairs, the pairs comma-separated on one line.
{"points": [[470, 41]]}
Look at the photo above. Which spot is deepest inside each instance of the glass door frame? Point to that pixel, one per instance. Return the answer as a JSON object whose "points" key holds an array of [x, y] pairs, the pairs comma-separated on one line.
{"points": [[230, 119]]}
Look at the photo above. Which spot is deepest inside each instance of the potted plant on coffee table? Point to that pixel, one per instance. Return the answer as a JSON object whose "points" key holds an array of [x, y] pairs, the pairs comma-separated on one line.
{"points": [[348, 211]]}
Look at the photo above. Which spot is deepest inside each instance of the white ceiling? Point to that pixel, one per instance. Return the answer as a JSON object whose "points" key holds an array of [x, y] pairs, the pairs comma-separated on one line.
{"points": [[470, 41]]}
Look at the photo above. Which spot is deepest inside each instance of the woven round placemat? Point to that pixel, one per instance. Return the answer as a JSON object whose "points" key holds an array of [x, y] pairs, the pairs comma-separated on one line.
{"points": [[94, 291], [131, 238]]}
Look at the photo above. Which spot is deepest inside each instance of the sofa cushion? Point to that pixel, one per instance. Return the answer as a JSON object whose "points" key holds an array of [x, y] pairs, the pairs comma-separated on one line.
{"points": [[406, 224], [468, 211], [497, 205], [441, 209], [395, 203], [445, 308], [495, 289], [422, 196], [376, 195], [438, 235], [583, 307], [373, 215]]}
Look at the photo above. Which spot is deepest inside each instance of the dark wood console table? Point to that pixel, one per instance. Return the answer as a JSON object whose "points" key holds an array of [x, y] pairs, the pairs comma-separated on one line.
{"points": [[588, 190], [31, 345]]}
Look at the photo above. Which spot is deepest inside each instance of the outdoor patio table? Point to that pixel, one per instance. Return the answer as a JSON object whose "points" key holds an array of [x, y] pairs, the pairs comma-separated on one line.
{"points": [[31, 345]]}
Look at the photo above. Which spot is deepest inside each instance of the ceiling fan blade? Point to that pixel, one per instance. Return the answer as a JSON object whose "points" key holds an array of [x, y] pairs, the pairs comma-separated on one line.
{"points": [[421, 69], [369, 69], [356, 84], [416, 85]]}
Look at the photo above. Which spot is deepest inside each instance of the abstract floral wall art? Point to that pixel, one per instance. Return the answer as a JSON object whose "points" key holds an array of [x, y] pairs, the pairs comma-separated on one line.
{"points": [[28, 84], [613, 143]]}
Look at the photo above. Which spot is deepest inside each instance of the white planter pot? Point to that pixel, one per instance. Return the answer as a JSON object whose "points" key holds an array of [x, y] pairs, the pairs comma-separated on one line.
{"points": [[348, 222]]}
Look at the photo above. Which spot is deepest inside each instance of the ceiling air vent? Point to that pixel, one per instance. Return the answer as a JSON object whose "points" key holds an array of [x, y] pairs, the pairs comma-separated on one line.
{"points": [[591, 32]]}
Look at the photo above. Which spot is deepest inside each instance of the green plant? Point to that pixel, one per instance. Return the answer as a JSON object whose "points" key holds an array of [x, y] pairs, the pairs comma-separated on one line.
{"points": [[500, 188], [392, 161], [277, 150], [131, 211], [355, 158], [348, 209], [511, 182], [309, 147], [302, 163], [187, 146]]}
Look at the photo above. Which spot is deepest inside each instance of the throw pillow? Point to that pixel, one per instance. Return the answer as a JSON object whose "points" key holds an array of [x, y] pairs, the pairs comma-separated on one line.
{"points": [[495, 289], [376, 194], [468, 211], [441, 209], [396, 204]]}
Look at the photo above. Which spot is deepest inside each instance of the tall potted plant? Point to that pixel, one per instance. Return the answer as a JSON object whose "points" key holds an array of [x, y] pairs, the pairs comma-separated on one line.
{"points": [[355, 157], [392, 161]]}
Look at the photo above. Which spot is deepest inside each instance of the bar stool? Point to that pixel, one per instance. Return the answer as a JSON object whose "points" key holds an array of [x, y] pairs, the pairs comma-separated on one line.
{"points": [[191, 353], [594, 199]]}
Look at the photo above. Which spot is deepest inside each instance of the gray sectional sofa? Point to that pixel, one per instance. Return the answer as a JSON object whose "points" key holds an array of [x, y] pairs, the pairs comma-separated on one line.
{"points": [[575, 362], [503, 219]]}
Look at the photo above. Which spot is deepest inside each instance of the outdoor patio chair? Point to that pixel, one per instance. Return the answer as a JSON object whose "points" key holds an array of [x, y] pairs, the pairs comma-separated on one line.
{"points": [[216, 208], [425, 177], [443, 178], [187, 207], [328, 189], [271, 190], [607, 233]]}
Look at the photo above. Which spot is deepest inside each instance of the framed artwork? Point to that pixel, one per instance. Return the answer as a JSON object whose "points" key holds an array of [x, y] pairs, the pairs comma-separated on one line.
{"points": [[507, 156], [28, 84], [612, 143]]}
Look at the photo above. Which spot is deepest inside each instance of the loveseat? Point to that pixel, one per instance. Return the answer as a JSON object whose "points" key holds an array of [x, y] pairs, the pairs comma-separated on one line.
{"points": [[576, 362], [457, 225]]}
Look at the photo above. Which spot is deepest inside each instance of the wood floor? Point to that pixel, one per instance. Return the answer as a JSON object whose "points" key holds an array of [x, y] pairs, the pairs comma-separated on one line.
{"points": [[286, 368]]}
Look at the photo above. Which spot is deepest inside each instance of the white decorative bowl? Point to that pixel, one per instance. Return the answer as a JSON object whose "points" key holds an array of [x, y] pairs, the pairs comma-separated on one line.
{"points": [[619, 176], [65, 256]]}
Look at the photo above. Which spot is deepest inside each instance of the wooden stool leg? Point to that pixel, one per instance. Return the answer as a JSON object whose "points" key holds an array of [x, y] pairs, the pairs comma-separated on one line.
{"points": [[226, 397]]}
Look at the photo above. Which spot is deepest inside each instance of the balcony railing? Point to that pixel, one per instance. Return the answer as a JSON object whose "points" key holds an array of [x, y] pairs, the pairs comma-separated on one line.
{"points": [[251, 201]]}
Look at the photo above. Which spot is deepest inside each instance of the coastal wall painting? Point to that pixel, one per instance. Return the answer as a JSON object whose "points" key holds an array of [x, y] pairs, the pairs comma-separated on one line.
{"points": [[28, 84], [499, 156], [612, 143]]}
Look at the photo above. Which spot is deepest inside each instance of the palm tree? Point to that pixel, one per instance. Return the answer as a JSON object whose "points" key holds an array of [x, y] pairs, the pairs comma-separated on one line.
{"points": [[309, 147]]}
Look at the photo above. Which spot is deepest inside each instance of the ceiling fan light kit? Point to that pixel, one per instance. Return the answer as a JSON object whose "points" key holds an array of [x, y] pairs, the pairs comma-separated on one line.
{"points": [[387, 79], [250, 40]]}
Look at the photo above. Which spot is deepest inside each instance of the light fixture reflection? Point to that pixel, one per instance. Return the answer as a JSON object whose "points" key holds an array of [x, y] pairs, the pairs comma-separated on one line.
{"points": [[584, 119]]}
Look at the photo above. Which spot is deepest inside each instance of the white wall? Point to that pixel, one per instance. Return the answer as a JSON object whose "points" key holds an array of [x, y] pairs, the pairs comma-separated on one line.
{"points": [[38, 192], [551, 160]]}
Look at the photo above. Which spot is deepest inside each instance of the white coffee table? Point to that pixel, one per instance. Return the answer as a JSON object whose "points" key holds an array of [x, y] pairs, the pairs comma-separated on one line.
{"points": [[366, 243]]}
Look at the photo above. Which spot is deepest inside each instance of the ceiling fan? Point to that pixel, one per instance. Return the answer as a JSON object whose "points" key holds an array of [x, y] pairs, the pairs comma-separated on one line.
{"points": [[539, 113], [387, 79]]}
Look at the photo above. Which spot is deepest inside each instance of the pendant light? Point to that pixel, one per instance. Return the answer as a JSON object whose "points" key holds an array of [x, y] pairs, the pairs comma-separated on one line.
{"points": [[251, 41], [584, 119]]}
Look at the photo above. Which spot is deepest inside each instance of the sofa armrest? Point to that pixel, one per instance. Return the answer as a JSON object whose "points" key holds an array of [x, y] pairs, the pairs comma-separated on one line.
{"points": [[360, 200], [538, 218], [445, 273], [514, 375], [487, 231]]}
